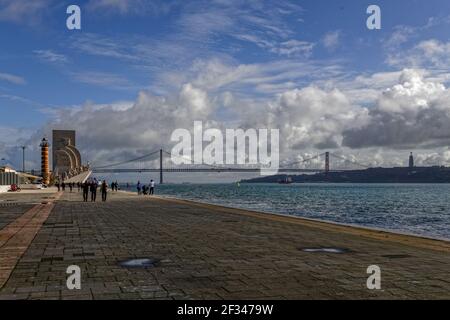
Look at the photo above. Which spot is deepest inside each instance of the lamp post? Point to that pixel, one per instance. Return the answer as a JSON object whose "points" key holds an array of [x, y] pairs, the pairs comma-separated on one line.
{"points": [[23, 158]]}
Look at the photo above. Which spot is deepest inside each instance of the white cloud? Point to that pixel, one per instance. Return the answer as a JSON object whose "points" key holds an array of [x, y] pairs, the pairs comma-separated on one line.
{"points": [[292, 48], [23, 11], [103, 79], [331, 40], [253, 80], [50, 56], [118, 130], [428, 53], [11, 78], [412, 114], [102, 46], [401, 35], [128, 7], [312, 117]]}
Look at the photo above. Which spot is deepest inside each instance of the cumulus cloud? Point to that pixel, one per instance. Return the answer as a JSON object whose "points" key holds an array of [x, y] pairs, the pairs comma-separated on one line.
{"points": [[118, 131], [414, 113], [313, 118]]}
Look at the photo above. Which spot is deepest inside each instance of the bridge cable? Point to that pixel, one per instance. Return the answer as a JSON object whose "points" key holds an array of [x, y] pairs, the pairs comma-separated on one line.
{"points": [[127, 161]]}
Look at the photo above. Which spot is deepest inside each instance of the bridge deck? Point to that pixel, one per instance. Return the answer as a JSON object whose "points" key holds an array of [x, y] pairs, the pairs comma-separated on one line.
{"points": [[82, 177], [99, 170]]}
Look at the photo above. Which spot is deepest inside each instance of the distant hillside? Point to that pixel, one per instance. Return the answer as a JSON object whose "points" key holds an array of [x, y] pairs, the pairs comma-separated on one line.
{"points": [[372, 175]]}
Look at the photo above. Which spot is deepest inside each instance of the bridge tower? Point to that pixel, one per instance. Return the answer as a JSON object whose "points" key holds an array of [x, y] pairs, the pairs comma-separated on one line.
{"points": [[160, 166], [327, 162]]}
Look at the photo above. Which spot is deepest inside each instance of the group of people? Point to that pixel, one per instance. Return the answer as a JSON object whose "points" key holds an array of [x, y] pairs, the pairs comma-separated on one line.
{"points": [[114, 186], [146, 189], [92, 186], [63, 186]]}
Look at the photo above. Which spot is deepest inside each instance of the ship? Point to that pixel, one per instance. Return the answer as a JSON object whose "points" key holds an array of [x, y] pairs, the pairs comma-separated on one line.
{"points": [[285, 180]]}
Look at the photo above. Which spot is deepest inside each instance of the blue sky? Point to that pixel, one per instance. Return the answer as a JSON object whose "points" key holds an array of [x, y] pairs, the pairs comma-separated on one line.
{"points": [[252, 51]]}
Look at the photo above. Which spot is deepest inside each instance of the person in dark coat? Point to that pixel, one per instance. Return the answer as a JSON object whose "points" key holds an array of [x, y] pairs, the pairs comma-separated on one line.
{"points": [[85, 188], [93, 188], [104, 190]]}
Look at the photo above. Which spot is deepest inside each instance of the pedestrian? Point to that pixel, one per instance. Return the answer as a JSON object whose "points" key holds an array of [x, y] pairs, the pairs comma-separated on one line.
{"points": [[93, 188], [70, 187], [152, 187], [138, 187], [78, 186], [117, 186], [85, 188], [104, 190], [63, 186], [58, 186]]}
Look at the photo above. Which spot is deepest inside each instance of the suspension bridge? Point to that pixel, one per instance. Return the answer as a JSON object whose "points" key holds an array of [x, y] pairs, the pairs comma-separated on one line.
{"points": [[146, 163]]}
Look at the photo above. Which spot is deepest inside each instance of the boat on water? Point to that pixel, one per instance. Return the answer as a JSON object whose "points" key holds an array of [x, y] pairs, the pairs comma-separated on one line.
{"points": [[285, 180]]}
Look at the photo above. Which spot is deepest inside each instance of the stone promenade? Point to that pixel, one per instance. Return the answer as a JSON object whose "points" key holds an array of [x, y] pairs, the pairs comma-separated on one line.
{"points": [[201, 252]]}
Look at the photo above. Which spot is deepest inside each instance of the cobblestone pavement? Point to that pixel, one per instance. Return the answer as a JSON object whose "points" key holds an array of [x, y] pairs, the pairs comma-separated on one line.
{"points": [[206, 252]]}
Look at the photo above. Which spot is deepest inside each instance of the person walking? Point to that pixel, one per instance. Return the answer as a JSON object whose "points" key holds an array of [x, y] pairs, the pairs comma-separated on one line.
{"points": [[63, 186], [58, 186], [93, 188], [116, 184], [104, 190], [152, 187], [138, 187], [85, 188], [70, 187], [78, 186]]}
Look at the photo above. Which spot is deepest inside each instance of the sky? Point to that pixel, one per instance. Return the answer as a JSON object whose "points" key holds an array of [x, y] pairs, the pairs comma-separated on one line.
{"points": [[137, 70]]}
